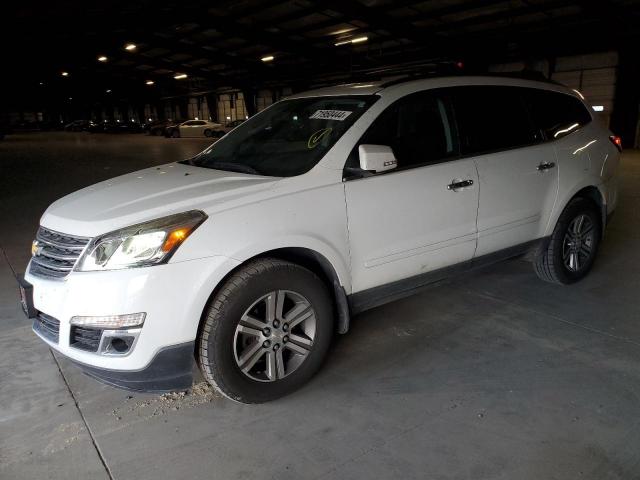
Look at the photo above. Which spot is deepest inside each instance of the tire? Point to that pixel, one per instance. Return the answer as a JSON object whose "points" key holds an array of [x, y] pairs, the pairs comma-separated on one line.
{"points": [[208, 133], [175, 133], [563, 260], [224, 350]]}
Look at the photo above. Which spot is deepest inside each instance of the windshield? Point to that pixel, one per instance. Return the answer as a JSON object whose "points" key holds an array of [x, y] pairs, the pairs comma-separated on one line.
{"points": [[287, 139]]}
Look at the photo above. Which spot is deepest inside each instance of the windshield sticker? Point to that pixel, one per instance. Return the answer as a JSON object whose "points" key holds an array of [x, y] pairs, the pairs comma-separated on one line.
{"points": [[316, 137], [339, 115]]}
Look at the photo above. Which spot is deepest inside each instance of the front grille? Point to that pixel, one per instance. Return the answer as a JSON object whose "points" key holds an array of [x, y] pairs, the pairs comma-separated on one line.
{"points": [[56, 253], [47, 326], [85, 338]]}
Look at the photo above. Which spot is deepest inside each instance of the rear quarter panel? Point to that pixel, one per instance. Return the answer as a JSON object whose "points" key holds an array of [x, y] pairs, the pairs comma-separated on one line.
{"points": [[585, 158]]}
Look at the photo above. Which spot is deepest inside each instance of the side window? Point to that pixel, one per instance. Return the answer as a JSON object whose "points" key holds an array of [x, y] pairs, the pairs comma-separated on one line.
{"points": [[416, 127], [188, 124], [492, 118], [556, 114]]}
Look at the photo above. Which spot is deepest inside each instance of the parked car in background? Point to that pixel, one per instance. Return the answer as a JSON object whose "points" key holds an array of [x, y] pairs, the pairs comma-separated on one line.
{"points": [[196, 128], [245, 259], [157, 127], [26, 126], [78, 126], [115, 127]]}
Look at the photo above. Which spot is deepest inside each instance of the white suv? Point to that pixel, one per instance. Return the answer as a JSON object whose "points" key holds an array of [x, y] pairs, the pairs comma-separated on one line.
{"points": [[249, 256]]}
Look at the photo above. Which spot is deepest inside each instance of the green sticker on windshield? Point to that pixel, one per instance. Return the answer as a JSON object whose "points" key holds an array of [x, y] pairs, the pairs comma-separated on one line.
{"points": [[316, 137]]}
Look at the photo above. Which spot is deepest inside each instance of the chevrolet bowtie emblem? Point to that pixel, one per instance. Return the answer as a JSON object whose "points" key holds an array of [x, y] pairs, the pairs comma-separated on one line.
{"points": [[35, 248]]}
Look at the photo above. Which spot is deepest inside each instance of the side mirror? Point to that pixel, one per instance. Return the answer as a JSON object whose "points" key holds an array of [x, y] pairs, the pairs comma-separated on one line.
{"points": [[376, 158]]}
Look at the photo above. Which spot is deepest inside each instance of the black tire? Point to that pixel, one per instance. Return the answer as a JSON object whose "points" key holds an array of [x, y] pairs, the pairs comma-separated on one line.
{"points": [[208, 133], [216, 344], [549, 263]]}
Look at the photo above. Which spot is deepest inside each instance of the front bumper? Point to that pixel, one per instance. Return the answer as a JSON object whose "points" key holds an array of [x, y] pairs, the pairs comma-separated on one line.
{"points": [[173, 296], [171, 369]]}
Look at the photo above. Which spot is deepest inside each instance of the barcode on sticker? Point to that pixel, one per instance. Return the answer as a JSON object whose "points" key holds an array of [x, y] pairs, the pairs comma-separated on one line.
{"points": [[330, 115]]}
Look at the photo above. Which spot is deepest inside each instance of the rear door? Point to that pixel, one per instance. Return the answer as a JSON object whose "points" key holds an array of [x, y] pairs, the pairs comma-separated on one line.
{"points": [[517, 170], [409, 221]]}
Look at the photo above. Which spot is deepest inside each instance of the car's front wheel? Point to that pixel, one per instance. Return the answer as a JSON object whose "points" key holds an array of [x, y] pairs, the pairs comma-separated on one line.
{"points": [[573, 246], [266, 332]]}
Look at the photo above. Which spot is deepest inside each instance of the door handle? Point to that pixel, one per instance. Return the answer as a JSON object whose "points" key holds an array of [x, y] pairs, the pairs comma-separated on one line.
{"points": [[455, 185], [546, 166]]}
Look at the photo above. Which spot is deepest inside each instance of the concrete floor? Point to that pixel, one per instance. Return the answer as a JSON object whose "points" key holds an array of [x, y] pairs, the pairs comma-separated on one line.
{"points": [[494, 375]]}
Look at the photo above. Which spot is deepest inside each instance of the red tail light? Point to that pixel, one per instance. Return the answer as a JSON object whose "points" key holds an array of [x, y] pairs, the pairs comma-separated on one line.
{"points": [[617, 141]]}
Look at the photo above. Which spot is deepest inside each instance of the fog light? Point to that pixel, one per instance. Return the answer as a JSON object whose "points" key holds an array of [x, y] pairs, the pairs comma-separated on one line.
{"points": [[129, 320], [119, 345]]}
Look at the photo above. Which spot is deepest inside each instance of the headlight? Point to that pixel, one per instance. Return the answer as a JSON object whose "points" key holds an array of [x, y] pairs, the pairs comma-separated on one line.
{"points": [[140, 245]]}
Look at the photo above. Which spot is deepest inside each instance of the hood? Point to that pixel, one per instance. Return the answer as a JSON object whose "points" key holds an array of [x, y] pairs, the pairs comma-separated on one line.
{"points": [[148, 194]]}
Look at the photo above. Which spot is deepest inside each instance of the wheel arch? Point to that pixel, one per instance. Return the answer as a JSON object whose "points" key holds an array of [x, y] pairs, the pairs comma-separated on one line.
{"points": [[590, 192], [594, 194], [310, 259]]}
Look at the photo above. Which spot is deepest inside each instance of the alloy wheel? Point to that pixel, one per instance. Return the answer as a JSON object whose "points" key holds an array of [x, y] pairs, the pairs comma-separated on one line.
{"points": [[274, 336], [578, 243]]}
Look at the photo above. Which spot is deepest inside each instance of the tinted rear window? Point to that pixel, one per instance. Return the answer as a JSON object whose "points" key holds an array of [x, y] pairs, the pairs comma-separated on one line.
{"points": [[556, 114], [492, 118]]}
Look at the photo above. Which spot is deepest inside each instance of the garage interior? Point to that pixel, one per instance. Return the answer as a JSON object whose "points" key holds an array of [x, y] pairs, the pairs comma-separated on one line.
{"points": [[490, 375]]}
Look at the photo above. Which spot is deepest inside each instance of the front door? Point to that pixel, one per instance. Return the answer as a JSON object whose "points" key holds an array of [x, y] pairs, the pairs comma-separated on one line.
{"points": [[419, 217]]}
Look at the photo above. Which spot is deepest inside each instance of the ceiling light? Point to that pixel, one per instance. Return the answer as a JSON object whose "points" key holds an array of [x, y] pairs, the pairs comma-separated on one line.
{"points": [[65, 74], [149, 82], [180, 76], [598, 108], [268, 58], [130, 47], [343, 31], [109, 91], [102, 58], [352, 40]]}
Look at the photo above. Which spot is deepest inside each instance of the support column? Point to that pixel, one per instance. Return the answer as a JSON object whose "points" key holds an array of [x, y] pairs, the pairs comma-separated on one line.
{"points": [[626, 105]]}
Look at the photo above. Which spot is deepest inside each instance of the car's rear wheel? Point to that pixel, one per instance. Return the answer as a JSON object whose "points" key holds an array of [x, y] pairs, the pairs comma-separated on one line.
{"points": [[208, 133], [266, 331], [573, 246], [175, 133]]}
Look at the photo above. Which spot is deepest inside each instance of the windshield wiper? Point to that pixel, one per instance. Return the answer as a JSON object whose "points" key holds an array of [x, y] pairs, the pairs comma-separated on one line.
{"points": [[232, 167]]}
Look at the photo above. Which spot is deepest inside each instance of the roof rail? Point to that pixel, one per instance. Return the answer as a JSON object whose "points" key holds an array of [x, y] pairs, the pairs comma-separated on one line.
{"points": [[458, 72]]}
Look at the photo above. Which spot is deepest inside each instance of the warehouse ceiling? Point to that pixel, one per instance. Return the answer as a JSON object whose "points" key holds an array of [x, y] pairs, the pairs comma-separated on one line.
{"points": [[162, 48]]}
